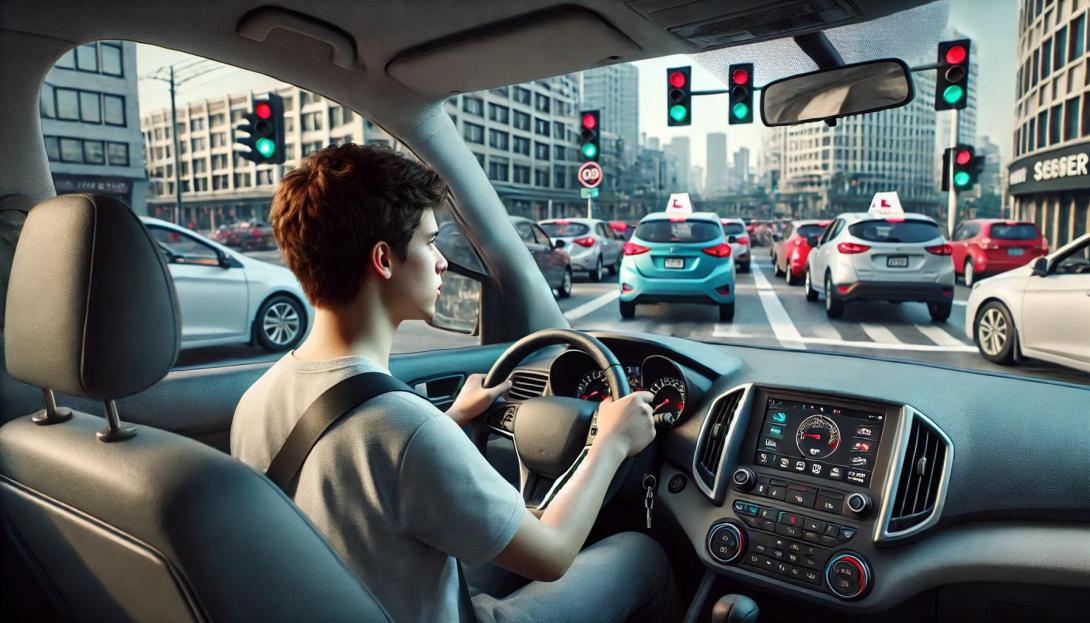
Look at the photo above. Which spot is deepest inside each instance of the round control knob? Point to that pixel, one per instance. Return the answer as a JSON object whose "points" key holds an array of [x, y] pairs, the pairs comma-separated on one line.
{"points": [[744, 478], [726, 542], [858, 503], [848, 575]]}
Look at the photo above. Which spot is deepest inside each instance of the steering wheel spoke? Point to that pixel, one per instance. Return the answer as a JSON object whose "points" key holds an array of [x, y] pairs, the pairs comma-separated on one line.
{"points": [[500, 418], [538, 490]]}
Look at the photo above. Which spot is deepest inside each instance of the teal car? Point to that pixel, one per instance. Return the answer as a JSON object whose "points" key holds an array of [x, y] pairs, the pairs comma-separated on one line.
{"points": [[678, 259]]}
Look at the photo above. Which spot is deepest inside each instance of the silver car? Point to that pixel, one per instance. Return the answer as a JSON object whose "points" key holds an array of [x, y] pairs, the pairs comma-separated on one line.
{"points": [[592, 244], [226, 297], [735, 230], [1041, 310], [862, 257]]}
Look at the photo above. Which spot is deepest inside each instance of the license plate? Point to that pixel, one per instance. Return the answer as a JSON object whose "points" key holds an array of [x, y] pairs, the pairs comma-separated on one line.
{"points": [[675, 262], [1015, 251], [897, 261]]}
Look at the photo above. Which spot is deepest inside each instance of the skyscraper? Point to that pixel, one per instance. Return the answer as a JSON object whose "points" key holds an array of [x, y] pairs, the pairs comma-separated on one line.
{"points": [[614, 90], [740, 172], [717, 164], [678, 149]]}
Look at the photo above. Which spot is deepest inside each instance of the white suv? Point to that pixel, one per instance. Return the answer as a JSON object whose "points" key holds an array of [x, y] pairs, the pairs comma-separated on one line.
{"points": [[863, 257]]}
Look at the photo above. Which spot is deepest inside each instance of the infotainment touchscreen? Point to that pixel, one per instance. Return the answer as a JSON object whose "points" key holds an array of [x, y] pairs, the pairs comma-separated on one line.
{"points": [[821, 440]]}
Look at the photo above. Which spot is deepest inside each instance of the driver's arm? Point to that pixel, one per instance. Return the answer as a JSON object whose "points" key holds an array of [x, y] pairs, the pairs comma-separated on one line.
{"points": [[543, 549]]}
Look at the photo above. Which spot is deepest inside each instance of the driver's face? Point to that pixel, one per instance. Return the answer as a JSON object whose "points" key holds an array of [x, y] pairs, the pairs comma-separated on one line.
{"points": [[417, 280]]}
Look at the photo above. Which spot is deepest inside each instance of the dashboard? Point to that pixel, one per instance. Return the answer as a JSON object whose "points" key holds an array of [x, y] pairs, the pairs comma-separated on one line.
{"points": [[791, 472]]}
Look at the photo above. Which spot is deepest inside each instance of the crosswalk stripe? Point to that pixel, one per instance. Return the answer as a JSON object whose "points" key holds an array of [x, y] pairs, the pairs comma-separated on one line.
{"points": [[593, 305], [889, 345], [782, 326], [879, 333], [938, 336]]}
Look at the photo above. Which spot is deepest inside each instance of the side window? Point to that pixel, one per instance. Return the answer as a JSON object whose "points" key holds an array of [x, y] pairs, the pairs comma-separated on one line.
{"points": [[830, 231], [971, 230], [185, 249], [1077, 263], [541, 237], [600, 229], [959, 232], [525, 232], [787, 232]]}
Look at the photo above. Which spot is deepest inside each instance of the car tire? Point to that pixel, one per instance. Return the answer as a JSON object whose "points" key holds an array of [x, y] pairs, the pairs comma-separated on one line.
{"points": [[940, 311], [615, 267], [969, 274], [791, 279], [811, 293], [776, 267], [598, 273], [834, 307], [628, 310], [564, 290], [994, 333], [744, 268], [726, 312], [280, 323]]}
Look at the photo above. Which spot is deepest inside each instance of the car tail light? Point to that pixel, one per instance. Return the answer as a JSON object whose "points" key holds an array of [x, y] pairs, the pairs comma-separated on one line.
{"points": [[719, 250], [586, 241], [742, 239], [627, 288], [631, 248], [940, 249], [987, 243], [852, 248], [845, 289], [723, 290], [256, 232]]}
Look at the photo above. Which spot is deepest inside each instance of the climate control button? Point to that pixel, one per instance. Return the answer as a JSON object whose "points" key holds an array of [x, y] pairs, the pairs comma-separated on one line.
{"points": [[848, 575], [726, 542]]}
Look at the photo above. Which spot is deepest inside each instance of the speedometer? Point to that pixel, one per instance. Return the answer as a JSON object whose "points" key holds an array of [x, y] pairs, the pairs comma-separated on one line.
{"points": [[669, 401], [818, 437], [593, 386]]}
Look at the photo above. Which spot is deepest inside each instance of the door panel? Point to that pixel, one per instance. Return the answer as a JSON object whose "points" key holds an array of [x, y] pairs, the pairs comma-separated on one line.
{"points": [[1056, 309]]}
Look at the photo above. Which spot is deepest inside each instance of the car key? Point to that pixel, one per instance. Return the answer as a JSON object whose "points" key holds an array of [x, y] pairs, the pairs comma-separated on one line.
{"points": [[649, 483]]}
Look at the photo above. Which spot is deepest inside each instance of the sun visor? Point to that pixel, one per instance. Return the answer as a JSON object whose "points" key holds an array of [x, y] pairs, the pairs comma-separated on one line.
{"points": [[574, 40]]}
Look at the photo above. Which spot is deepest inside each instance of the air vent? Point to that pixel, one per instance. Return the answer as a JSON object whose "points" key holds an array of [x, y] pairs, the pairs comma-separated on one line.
{"points": [[921, 475], [526, 384], [709, 448]]}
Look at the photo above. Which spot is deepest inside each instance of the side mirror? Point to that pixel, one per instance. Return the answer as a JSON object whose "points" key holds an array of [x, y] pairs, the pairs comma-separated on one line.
{"points": [[225, 261], [558, 244], [777, 236], [812, 241], [1040, 267], [732, 239]]}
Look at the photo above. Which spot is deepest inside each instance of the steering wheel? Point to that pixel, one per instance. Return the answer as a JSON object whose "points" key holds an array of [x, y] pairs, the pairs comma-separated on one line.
{"points": [[552, 434]]}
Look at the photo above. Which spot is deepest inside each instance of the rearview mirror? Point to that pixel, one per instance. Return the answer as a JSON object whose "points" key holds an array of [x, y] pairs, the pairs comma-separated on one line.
{"points": [[838, 92], [1040, 267], [812, 241]]}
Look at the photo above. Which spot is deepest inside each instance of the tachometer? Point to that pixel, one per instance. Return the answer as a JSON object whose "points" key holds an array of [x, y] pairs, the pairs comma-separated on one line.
{"points": [[669, 401], [818, 437], [593, 386]]}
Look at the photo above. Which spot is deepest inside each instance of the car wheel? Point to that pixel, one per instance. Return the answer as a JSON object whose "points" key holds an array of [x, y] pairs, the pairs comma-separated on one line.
{"points": [[743, 268], [628, 310], [726, 312], [280, 324], [792, 280], [811, 293], [994, 333], [940, 311], [598, 273], [834, 308], [969, 275], [564, 291], [776, 268], [615, 267]]}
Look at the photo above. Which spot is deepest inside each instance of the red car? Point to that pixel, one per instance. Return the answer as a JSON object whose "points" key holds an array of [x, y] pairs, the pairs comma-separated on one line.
{"points": [[989, 246], [790, 253]]}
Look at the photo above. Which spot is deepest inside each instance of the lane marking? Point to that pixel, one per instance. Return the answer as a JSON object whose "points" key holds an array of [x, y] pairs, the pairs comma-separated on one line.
{"points": [[594, 305], [777, 316], [939, 336], [879, 333], [891, 346]]}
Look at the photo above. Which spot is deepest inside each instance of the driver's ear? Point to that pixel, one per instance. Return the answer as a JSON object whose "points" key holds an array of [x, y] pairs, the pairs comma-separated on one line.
{"points": [[382, 260]]}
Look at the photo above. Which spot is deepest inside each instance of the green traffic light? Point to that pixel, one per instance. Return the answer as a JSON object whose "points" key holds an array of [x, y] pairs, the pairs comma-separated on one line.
{"points": [[265, 147], [590, 150], [678, 112], [740, 111], [961, 179], [953, 94]]}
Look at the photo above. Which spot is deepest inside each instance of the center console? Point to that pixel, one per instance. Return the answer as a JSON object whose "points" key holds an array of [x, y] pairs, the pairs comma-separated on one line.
{"points": [[808, 485]]}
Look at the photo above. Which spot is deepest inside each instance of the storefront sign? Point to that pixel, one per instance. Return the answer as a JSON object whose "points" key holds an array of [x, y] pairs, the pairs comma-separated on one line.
{"points": [[1059, 169], [91, 184]]}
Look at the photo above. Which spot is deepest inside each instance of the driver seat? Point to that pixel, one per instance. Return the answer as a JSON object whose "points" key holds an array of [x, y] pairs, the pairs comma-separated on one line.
{"points": [[135, 523]]}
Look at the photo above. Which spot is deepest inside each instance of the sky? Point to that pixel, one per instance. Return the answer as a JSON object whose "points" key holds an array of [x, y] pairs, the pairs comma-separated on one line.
{"points": [[991, 24]]}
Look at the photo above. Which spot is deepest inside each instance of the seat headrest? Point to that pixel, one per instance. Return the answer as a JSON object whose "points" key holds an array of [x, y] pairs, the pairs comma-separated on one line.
{"points": [[91, 307]]}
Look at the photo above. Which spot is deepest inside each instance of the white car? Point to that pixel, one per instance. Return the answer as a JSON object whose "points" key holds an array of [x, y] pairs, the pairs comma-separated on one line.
{"points": [[226, 297], [591, 243], [864, 257], [735, 230], [1041, 310]]}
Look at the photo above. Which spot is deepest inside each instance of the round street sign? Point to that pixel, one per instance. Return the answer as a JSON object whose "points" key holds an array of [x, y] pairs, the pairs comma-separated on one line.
{"points": [[590, 174]]}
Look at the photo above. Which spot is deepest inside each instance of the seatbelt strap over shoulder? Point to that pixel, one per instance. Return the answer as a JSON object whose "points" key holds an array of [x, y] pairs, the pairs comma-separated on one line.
{"points": [[334, 403]]}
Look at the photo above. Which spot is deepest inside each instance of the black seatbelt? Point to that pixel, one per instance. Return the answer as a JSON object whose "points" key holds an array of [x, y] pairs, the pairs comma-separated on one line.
{"points": [[320, 415]]}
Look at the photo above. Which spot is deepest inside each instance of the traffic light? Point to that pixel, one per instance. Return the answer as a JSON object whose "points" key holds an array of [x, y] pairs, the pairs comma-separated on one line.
{"points": [[965, 164], [265, 129], [740, 77], [590, 135], [952, 82], [679, 96]]}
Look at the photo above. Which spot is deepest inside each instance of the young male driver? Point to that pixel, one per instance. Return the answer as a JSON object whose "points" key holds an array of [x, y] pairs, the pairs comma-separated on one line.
{"points": [[396, 487]]}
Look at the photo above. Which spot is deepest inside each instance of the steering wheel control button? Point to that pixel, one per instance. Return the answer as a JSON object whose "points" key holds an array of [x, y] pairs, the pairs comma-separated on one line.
{"points": [[726, 542], [744, 479], [677, 483], [858, 503], [848, 575]]}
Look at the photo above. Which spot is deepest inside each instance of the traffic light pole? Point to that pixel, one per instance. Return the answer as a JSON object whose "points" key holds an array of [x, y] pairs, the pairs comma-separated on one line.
{"points": [[952, 194], [590, 210], [177, 155]]}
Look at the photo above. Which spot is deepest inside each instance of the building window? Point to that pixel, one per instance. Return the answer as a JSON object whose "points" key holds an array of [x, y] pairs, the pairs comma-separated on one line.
{"points": [[1060, 48], [219, 182], [114, 110], [497, 169], [1046, 59], [47, 103], [219, 139], [480, 159], [522, 121], [219, 161], [200, 165], [541, 178], [1071, 118], [1054, 125], [216, 120], [541, 103], [560, 177], [541, 127], [93, 152], [522, 174], [87, 58], [242, 180], [558, 129], [90, 107], [473, 133], [499, 114], [559, 153], [111, 59], [1078, 36], [312, 121], [67, 61], [71, 150], [199, 144], [541, 151], [522, 95], [118, 154], [1042, 129], [196, 125], [473, 106], [311, 147], [52, 148], [264, 178], [522, 146], [67, 104], [497, 139]]}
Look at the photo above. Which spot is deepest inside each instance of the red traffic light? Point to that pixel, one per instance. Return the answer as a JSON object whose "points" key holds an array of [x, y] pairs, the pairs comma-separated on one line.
{"points": [[677, 80], [956, 54], [740, 76], [589, 121], [263, 110], [963, 156]]}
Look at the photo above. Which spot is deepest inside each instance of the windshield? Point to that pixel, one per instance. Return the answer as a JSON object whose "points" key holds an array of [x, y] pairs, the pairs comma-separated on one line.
{"points": [[565, 229], [1020, 231], [686, 231], [893, 231]]}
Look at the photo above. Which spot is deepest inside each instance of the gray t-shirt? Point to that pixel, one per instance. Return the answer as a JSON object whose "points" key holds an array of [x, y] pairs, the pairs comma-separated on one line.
{"points": [[396, 487]]}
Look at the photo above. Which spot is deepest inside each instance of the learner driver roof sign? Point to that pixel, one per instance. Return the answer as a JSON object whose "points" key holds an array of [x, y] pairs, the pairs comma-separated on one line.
{"points": [[679, 204], [886, 205]]}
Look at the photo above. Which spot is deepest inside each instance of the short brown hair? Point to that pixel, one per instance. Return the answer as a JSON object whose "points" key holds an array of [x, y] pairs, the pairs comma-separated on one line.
{"points": [[330, 212]]}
